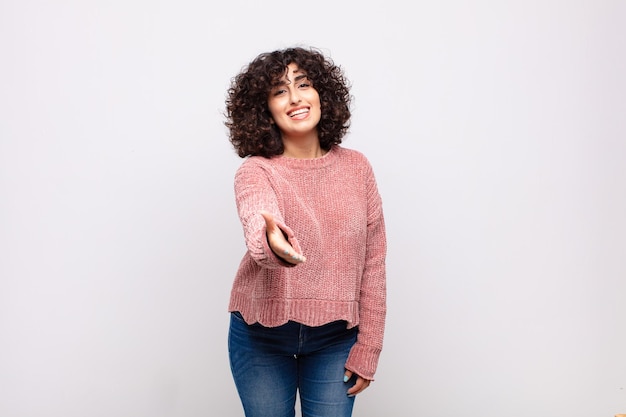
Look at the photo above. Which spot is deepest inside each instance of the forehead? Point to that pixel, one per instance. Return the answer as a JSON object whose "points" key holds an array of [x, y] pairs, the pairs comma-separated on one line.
{"points": [[293, 68], [292, 71]]}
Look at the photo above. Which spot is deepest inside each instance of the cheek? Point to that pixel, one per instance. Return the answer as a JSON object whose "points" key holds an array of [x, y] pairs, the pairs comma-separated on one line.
{"points": [[273, 112], [275, 107], [318, 103], [315, 97]]}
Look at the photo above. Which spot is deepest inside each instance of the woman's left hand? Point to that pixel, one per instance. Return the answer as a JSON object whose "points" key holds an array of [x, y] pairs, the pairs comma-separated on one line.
{"points": [[359, 386]]}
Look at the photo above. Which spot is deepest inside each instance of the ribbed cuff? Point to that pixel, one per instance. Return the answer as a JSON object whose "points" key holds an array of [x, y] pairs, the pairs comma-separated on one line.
{"points": [[363, 361]]}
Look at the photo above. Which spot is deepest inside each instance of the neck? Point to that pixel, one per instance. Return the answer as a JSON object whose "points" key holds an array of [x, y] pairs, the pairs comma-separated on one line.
{"points": [[303, 149]]}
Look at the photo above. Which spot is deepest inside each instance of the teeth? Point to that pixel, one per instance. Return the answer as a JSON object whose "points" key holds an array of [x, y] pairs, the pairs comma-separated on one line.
{"points": [[298, 112]]}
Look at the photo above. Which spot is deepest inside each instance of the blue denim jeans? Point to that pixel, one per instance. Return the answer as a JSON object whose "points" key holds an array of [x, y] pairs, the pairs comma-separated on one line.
{"points": [[271, 364]]}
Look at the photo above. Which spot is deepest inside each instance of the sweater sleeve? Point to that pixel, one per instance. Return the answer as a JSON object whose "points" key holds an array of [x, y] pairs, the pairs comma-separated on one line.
{"points": [[364, 356], [255, 192]]}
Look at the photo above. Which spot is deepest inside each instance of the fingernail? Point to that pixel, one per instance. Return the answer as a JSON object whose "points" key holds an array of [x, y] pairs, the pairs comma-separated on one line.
{"points": [[345, 378]]}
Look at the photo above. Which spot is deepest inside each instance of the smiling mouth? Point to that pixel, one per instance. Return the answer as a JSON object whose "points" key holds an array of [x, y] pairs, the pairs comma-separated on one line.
{"points": [[298, 112]]}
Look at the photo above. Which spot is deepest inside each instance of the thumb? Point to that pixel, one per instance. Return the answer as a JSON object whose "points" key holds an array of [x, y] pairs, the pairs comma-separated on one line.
{"points": [[347, 375], [269, 219]]}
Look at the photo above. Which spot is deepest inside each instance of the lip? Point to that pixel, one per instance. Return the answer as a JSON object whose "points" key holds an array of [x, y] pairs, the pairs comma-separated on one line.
{"points": [[291, 112]]}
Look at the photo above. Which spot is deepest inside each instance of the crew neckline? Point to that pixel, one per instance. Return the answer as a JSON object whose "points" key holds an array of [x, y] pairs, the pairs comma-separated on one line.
{"points": [[308, 163]]}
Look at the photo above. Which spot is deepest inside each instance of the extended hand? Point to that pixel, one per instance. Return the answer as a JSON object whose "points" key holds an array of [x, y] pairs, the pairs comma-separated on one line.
{"points": [[277, 241]]}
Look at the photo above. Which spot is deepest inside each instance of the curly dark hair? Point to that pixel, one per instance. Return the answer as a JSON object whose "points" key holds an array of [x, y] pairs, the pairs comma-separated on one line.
{"points": [[247, 112]]}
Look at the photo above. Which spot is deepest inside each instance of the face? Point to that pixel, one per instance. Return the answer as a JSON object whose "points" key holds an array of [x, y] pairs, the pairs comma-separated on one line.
{"points": [[295, 105]]}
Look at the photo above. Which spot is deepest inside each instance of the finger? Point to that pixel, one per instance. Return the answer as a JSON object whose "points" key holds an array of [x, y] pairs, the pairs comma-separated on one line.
{"points": [[347, 375], [354, 389], [360, 386], [293, 257]]}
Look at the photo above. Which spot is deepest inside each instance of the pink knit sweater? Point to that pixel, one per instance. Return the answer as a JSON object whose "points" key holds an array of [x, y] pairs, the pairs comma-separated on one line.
{"points": [[331, 212]]}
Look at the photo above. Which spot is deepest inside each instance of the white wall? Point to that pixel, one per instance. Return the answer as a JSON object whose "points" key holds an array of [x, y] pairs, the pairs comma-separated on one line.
{"points": [[496, 130]]}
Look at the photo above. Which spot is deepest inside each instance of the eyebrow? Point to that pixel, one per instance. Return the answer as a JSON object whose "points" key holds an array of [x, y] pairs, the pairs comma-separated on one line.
{"points": [[296, 78], [299, 77]]}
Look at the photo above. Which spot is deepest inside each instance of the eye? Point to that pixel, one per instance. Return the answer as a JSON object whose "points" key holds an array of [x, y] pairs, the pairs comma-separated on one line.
{"points": [[278, 91], [304, 84]]}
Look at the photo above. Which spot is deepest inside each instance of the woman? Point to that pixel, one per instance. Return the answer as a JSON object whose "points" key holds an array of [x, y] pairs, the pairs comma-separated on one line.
{"points": [[308, 300]]}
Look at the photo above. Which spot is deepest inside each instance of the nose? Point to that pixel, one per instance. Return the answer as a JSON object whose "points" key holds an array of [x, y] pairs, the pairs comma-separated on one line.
{"points": [[295, 98]]}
